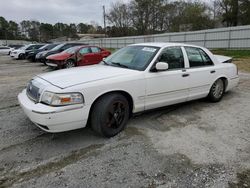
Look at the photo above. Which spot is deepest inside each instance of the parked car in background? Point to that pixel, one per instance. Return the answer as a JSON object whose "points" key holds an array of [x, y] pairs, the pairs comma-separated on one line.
{"points": [[134, 79], [32, 54], [77, 56], [39, 55], [22, 52], [59, 48], [5, 50]]}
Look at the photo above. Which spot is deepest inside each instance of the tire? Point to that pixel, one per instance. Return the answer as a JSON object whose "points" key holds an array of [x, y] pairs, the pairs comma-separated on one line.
{"points": [[217, 91], [69, 64], [21, 56], [110, 115]]}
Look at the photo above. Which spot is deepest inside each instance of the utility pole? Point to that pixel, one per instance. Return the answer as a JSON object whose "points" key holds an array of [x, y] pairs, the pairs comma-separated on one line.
{"points": [[104, 19]]}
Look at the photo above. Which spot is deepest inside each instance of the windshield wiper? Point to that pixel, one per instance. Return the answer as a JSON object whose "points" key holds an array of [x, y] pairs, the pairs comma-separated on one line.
{"points": [[119, 65], [105, 62]]}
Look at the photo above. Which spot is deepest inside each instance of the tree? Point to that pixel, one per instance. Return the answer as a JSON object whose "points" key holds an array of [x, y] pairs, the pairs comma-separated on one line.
{"points": [[192, 16], [46, 32], [230, 12], [3, 28], [82, 28], [244, 14], [13, 30], [120, 17]]}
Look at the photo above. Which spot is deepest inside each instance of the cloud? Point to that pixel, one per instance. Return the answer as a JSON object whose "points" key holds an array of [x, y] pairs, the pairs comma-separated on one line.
{"points": [[53, 11]]}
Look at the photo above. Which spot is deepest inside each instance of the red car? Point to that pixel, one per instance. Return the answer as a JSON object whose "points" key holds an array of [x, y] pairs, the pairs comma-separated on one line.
{"points": [[77, 56]]}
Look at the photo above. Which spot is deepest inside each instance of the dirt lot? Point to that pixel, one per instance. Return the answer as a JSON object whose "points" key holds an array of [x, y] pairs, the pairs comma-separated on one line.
{"points": [[196, 144]]}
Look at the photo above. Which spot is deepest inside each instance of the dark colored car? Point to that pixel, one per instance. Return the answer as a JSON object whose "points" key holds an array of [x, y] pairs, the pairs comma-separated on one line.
{"points": [[33, 47], [32, 54], [59, 48], [77, 56]]}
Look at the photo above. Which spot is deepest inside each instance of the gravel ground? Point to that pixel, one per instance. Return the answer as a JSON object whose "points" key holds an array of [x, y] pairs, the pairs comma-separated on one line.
{"points": [[195, 144]]}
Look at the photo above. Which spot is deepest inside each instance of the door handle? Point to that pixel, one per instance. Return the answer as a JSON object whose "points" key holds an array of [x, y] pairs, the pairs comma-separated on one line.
{"points": [[213, 71], [185, 75]]}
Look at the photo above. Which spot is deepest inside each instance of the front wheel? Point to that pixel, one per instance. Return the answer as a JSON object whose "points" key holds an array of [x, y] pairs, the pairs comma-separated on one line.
{"points": [[69, 64], [110, 115], [21, 56], [217, 91]]}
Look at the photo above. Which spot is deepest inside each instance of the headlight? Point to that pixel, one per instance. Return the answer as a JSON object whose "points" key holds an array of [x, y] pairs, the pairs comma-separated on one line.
{"points": [[62, 99]]}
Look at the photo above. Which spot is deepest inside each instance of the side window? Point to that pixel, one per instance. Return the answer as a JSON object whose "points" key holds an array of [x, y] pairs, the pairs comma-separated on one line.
{"points": [[30, 48], [197, 57], [84, 51], [65, 47], [95, 50], [38, 46], [173, 56]]}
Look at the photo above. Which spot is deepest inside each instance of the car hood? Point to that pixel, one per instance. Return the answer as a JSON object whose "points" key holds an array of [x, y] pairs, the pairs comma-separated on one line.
{"points": [[43, 52], [51, 52], [80, 75], [59, 57], [17, 51]]}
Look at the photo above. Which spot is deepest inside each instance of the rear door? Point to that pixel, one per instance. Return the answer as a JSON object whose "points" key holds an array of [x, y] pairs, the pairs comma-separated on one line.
{"points": [[201, 72], [96, 56], [84, 56], [4, 50]]}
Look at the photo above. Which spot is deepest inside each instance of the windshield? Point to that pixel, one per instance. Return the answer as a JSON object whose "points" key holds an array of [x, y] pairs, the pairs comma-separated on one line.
{"points": [[24, 47], [132, 57], [72, 49], [57, 47], [45, 46]]}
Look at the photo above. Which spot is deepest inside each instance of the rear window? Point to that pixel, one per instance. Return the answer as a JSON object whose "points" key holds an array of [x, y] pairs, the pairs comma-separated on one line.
{"points": [[197, 57]]}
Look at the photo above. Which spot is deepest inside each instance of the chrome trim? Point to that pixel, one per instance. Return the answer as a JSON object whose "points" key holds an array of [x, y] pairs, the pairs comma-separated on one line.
{"points": [[155, 94], [59, 111], [52, 64]]}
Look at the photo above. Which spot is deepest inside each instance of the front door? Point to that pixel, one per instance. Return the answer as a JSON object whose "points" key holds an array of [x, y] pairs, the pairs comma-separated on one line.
{"points": [[170, 86]]}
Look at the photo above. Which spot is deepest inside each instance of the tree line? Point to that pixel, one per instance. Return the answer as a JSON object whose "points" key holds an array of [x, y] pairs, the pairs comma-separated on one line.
{"points": [[43, 32], [139, 17]]}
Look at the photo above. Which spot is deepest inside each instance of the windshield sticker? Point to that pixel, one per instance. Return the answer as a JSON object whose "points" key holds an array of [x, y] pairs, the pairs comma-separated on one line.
{"points": [[149, 49]]}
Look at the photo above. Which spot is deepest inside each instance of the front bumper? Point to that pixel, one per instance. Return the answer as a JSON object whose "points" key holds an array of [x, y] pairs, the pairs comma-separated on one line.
{"points": [[54, 119], [15, 56], [51, 64], [56, 64], [12, 55]]}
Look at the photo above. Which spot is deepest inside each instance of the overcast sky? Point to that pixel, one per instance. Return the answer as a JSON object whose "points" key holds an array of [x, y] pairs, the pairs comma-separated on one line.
{"points": [[53, 11]]}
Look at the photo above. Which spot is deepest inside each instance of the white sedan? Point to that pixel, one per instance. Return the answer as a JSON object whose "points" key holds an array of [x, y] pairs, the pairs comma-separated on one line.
{"points": [[136, 78], [5, 50]]}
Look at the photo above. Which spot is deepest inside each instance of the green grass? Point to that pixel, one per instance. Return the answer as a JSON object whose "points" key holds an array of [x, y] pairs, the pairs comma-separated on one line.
{"points": [[232, 53], [112, 50]]}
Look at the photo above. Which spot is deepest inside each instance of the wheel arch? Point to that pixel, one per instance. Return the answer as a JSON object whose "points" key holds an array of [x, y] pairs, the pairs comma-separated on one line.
{"points": [[122, 92], [224, 79]]}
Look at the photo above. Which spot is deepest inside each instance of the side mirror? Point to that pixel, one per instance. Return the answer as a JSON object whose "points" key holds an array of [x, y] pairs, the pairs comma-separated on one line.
{"points": [[161, 66]]}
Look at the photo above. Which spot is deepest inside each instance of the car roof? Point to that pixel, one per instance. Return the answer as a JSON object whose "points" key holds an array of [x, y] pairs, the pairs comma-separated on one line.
{"points": [[163, 44]]}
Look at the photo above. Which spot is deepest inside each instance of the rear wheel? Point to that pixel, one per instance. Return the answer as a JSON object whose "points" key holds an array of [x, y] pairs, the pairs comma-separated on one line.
{"points": [[110, 115], [217, 91], [69, 64]]}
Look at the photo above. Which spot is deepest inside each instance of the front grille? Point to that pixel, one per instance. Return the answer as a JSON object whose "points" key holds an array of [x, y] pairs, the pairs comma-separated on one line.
{"points": [[33, 92]]}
